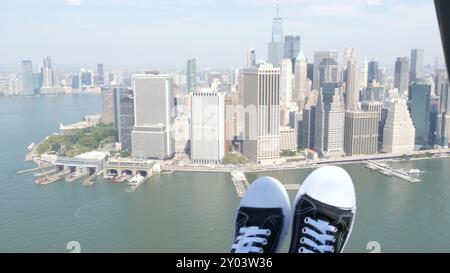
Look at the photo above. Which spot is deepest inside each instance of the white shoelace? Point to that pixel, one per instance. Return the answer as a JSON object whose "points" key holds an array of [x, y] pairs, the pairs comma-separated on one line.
{"points": [[322, 236], [248, 237]]}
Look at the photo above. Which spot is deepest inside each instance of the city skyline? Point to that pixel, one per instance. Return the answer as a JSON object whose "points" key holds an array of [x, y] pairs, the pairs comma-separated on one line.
{"points": [[200, 32]]}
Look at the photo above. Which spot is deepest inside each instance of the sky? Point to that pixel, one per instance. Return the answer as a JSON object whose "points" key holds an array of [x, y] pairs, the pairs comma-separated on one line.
{"points": [[165, 33]]}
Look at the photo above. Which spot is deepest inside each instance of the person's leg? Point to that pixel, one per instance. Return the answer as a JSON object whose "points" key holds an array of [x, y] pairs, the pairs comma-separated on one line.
{"points": [[262, 217], [324, 212]]}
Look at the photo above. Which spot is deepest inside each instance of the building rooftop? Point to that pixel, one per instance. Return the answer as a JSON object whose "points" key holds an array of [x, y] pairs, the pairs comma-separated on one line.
{"points": [[95, 155]]}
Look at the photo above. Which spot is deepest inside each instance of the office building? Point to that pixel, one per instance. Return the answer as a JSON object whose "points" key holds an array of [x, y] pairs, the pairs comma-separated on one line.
{"points": [[262, 117], [109, 106], [319, 57], [286, 82], [401, 77], [47, 73], [100, 75], [329, 122], [416, 71], [301, 83], [373, 93], [181, 131], [399, 131], [306, 128], [352, 84], [364, 74], [291, 47], [124, 115], [191, 75], [27, 79], [251, 58], [288, 139], [153, 103], [207, 129], [275, 48], [420, 97], [86, 78], [373, 72], [361, 133]]}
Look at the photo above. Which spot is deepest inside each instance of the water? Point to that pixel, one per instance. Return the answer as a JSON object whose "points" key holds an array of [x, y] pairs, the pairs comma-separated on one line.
{"points": [[181, 212]]}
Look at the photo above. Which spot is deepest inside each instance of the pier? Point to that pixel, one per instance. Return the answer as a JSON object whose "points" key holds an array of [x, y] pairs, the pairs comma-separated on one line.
{"points": [[30, 170], [292, 187], [389, 171], [240, 182]]}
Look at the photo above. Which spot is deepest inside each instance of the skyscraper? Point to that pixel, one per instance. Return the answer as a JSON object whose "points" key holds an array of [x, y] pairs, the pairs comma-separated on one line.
{"points": [[276, 46], [347, 52], [27, 79], [364, 74], [100, 74], [108, 112], [262, 117], [291, 47], [420, 97], [124, 115], [416, 71], [286, 82], [399, 131], [251, 58], [443, 117], [373, 67], [86, 78], [373, 94], [440, 81], [306, 130], [401, 78], [207, 130], [47, 73], [191, 75], [352, 86], [301, 84], [329, 119], [153, 103], [361, 133], [319, 57]]}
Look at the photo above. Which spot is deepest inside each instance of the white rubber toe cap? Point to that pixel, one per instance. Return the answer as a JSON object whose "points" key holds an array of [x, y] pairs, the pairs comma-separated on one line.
{"points": [[266, 192], [331, 185]]}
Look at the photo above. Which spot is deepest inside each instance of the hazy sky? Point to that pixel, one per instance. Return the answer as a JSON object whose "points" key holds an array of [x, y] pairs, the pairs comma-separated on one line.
{"points": [[156, 33]]}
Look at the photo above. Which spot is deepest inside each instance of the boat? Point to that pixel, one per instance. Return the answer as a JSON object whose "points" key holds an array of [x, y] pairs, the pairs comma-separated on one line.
{"points": [[414, 171], [136, 181], [47, 180], [121, 178], [109, 176], [31, 146], [75, 176]]}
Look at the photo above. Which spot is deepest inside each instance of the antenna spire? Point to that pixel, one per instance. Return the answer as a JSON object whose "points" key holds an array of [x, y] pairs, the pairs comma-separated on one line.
{"points": [[278, 8]]}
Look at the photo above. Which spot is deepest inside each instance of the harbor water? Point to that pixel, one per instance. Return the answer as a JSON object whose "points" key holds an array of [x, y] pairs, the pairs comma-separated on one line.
{"points": [[186, 212]]}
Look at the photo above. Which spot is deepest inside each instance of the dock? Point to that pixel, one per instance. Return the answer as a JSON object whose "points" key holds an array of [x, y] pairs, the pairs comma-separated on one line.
{"points": [[292, 187], [240, 182], [30, 170], [389, 171]]}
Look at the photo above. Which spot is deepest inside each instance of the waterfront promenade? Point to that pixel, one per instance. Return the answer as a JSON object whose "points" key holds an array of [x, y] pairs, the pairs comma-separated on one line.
{"points": [[251, 167]]}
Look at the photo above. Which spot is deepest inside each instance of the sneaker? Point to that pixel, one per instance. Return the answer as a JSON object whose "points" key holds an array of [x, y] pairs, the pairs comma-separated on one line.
{"points": [[262, 217], [324, 212]]}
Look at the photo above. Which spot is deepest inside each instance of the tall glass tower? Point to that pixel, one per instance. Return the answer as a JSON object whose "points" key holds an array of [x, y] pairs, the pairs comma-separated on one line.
{"points": [[191, 75], [276, 45], [27, 78]]}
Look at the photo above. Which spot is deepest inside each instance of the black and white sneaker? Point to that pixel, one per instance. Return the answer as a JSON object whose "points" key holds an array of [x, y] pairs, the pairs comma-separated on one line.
{"points": [[262, 217], [324, 212]]}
